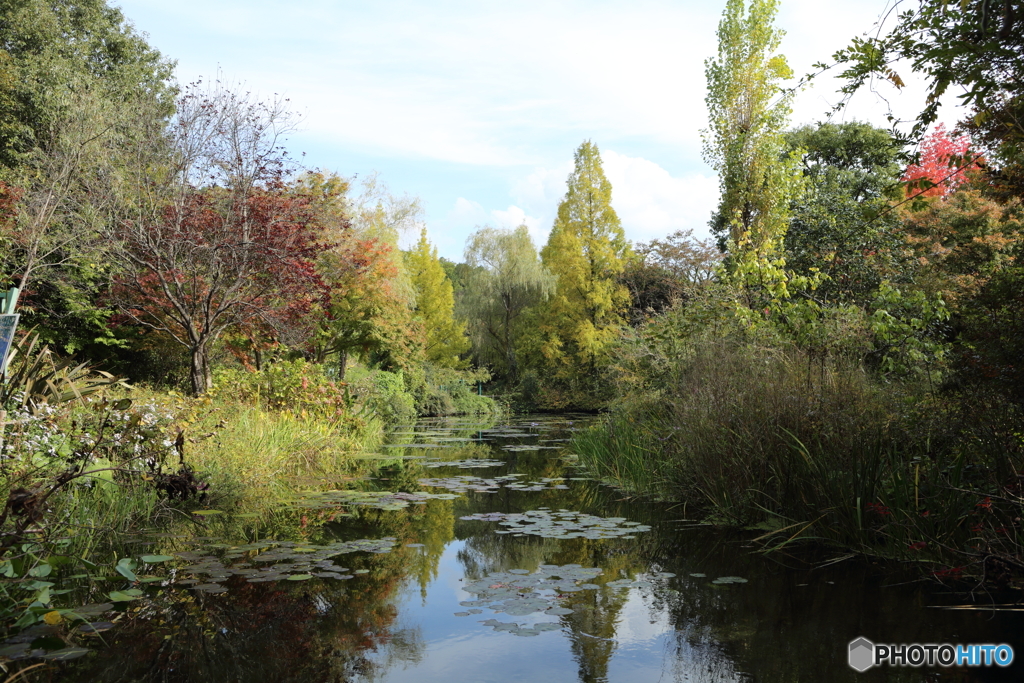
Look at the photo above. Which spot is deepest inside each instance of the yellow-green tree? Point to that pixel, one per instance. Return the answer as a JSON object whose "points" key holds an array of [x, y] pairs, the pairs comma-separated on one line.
{"points": [[446, 337], [586, 252], [748, 112]]}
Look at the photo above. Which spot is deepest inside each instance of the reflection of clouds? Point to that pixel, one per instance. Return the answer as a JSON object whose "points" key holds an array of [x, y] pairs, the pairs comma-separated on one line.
{"points": [[637, 624]]}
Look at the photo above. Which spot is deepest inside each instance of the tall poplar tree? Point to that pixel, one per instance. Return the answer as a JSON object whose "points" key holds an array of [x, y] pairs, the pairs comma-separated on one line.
{"points": [[748, 112], [446, 337], [586, 252]]}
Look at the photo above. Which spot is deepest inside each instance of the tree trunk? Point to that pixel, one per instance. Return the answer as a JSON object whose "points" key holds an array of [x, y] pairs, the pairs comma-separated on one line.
{"points": [[199, 371], [342, 362]]}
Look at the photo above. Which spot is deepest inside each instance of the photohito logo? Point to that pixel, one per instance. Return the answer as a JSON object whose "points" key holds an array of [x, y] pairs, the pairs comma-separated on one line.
{"points": [[864, 654]]}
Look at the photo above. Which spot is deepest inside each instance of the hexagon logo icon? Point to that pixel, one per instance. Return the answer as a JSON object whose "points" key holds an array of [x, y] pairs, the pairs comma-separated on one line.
{"points": [[862, 654]]}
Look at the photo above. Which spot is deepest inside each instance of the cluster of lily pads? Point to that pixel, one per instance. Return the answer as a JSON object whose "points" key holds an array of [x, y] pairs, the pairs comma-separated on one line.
{"points": [[520, 593], [280, 560], [467, 464], [381, 500], [561, 524], [465, 482]]}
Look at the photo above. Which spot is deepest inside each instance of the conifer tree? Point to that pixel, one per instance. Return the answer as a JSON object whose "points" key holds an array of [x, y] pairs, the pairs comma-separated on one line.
{"points": [[586, 252], [446, 337]]}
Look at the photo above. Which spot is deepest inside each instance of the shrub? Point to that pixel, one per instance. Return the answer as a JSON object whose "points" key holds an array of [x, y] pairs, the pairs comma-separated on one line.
{"points": [[384, 394], [294, 386]]}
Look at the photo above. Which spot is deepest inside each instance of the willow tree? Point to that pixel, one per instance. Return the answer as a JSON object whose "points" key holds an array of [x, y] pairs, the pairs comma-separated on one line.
{"points": [[446, 337], [748, 112], [505, 279], [586, 252]]}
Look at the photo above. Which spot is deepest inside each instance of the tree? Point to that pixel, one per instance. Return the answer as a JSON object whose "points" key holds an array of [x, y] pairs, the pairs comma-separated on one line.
{"points": [[586, 253], [505, 278], [77, 85], [666, 272], [961, 241], [51, 53], [368, 310], [747, 113], [943, 167], [975, 44], [843, 226], [215, 239], [445, 337]]}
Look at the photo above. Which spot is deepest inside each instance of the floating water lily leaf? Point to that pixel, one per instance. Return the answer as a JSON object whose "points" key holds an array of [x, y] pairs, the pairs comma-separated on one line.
{"points": [[119, 596], [300, 577], [558, 611], [96, 627], [729, 579], [561, 524], [65, 654], [698, 575], [518, 592], [153, 559], [210, 588]]}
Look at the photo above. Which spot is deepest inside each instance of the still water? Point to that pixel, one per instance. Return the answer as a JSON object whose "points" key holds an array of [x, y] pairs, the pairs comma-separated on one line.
{"points": [[498, 561]]}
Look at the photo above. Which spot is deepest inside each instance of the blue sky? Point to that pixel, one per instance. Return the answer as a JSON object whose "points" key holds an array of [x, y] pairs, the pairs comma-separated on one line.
{"points": [[476, 106]]}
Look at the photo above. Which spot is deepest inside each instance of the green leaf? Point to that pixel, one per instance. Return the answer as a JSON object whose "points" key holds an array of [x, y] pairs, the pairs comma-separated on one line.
{"points": [[153, 559], [119, 596], [40, 570], [125, 568]]}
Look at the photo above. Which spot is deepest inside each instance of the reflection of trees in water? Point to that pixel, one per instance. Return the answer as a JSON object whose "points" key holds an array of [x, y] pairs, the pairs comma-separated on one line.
{"points": [[262, 632]]}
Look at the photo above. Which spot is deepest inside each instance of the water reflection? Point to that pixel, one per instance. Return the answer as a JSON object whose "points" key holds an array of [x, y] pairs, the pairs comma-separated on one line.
{"points": [[397, 621]]}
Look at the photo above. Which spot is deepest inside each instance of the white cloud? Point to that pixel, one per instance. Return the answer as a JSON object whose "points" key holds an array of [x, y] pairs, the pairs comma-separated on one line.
{"points": [[651, 203], [465, 216]]}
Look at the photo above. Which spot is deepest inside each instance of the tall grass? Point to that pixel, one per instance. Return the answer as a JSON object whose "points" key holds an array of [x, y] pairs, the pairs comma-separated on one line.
{"points": [[806, 448], [247, 452]]}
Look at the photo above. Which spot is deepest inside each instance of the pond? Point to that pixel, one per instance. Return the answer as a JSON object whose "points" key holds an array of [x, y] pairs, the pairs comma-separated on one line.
{"points": [[476, 552]]}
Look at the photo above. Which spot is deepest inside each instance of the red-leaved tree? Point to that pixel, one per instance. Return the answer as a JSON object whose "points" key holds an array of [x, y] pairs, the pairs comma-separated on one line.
{"points": [[945, 164], [217, 239]]}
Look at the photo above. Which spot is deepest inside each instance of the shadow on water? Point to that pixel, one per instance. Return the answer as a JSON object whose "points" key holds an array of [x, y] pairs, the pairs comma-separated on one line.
{"points": [[486, 579]]}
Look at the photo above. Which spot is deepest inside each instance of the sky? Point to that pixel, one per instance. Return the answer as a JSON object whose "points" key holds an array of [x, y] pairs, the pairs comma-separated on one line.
{"points": [[476, 106]]}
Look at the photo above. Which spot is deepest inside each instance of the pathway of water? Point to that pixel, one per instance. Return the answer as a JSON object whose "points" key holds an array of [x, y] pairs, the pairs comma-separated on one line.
{"points": [[478, 553]]}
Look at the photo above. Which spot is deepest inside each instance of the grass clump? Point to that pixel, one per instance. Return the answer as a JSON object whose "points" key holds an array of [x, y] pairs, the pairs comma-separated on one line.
{"points": [[765, 435]]}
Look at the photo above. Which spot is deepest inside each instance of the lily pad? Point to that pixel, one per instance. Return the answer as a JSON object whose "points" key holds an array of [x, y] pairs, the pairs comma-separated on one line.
{"points": [[153, 559]]}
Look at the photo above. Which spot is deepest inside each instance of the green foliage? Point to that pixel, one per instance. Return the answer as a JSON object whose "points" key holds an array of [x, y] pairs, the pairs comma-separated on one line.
{"points": [[35, 376], [52, 51], [295, 386], [442, 391], [747, 114], [505, 277], [907, 331], [842, 226], [446, 338], [385, 395], [586, 253]]}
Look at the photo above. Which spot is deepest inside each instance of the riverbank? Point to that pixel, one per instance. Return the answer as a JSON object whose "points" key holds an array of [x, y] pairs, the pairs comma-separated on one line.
{"points": [[819, 450], [86, 466]]}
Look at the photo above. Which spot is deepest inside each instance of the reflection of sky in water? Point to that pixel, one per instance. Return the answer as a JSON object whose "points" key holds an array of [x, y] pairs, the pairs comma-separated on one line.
{"points": [[647, 646]]}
